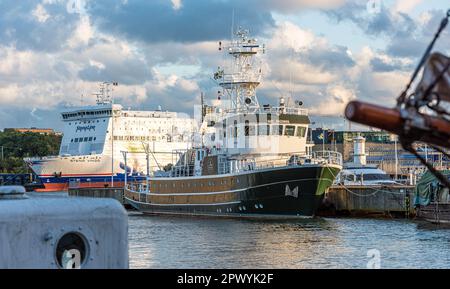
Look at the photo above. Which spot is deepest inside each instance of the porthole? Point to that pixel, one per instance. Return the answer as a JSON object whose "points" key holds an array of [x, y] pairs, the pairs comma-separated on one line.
{"points": [[71, 251]]}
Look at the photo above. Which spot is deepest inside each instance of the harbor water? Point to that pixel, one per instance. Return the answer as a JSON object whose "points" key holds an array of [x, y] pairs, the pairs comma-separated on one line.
{"points": [[183, 242]]}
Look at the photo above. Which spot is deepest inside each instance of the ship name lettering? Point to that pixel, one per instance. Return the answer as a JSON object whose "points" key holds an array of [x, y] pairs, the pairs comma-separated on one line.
{"points": [[85, 128]]}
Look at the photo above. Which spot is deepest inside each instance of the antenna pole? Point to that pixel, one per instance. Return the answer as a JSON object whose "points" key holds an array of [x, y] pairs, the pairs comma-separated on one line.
{"points": [[203, 105], [112, 140], [232, 25]]}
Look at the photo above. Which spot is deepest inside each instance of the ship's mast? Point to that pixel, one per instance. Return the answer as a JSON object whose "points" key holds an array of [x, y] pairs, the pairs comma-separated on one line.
{"points": [[104, 94], [240, 82]]}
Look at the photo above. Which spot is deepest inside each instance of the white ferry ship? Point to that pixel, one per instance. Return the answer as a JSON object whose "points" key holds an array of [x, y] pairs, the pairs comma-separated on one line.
{"points": [[96, 138]]}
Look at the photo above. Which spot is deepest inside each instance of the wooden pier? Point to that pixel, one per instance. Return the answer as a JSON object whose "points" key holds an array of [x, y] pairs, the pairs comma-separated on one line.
{"points": [[363, 201]]}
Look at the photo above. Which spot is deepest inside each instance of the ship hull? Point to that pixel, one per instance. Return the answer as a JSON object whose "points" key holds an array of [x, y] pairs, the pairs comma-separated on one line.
{"points": [[289, 191], [92, 171], [57, 184], [434, 213]]}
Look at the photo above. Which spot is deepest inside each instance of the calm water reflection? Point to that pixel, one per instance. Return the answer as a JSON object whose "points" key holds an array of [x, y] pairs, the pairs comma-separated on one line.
{"points": [[180, 242]]}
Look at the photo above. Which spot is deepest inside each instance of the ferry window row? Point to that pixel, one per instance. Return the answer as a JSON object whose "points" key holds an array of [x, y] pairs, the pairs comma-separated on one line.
{"points": [[85, 139], [138, 138], [83, 113], [86, 122]]}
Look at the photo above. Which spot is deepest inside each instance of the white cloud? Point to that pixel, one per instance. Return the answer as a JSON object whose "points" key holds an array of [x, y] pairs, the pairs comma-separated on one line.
{"points": [[334, 101], [289, 35], [424, 18], [83, 33], [292, 6], [40, 13], [176, 4], [323, 75], [406, 6], [96, 64]]}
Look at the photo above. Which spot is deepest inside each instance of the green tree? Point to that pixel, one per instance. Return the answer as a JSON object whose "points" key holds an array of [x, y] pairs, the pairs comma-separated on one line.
{"points": [[17, 146]]}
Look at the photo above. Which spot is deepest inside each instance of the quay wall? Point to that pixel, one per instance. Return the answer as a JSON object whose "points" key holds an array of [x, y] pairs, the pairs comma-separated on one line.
{"points": [[394, 200], [114, 193]]}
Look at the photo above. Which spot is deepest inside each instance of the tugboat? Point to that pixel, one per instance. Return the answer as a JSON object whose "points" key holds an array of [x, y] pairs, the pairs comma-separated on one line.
{"points": [[248, 159]]}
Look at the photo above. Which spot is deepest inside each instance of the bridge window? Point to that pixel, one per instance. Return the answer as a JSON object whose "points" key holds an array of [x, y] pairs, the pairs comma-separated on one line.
{"points": [[263, 130], [301, 131], [249, 129], [277, 130], [290, 130]]}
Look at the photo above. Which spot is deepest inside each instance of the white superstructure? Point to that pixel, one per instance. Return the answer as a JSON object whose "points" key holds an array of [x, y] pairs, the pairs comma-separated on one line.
{"points": [[238, 123]]}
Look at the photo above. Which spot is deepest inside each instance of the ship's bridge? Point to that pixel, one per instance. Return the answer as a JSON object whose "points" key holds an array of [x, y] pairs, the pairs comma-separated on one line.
{"points": [[89, 112]]}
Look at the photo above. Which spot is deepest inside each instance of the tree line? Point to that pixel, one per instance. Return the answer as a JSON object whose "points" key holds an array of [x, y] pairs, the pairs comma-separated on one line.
{"points": [[15, 146]]}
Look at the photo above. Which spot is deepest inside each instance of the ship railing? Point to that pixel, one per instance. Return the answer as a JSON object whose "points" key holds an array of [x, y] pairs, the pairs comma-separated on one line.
{"points": [[240, 48], [274, 110], [252, 165], [327, 157], [32, 159], [236, 166], [319, 157], [285, 110], [241, 78], [182, 171], [138, 187]]}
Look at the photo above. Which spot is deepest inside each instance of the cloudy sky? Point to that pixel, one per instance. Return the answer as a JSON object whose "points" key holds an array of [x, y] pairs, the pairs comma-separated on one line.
{"points": [[53, 53]]}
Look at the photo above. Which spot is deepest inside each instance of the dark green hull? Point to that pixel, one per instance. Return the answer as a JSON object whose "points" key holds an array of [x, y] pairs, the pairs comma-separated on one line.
{"points": [[296, 191]]}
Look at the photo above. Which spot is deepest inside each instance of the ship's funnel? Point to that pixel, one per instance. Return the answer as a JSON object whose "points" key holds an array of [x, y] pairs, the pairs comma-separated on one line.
{"points": [[359, 150]]}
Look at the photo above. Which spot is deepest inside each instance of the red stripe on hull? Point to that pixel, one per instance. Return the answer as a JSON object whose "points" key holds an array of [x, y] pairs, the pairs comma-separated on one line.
{"points": [[76, 175], [48, 187]]}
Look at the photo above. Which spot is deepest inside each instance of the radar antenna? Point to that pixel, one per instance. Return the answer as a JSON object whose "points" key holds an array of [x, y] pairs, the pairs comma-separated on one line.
{"points": [[240, 82], [104, 94]]}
